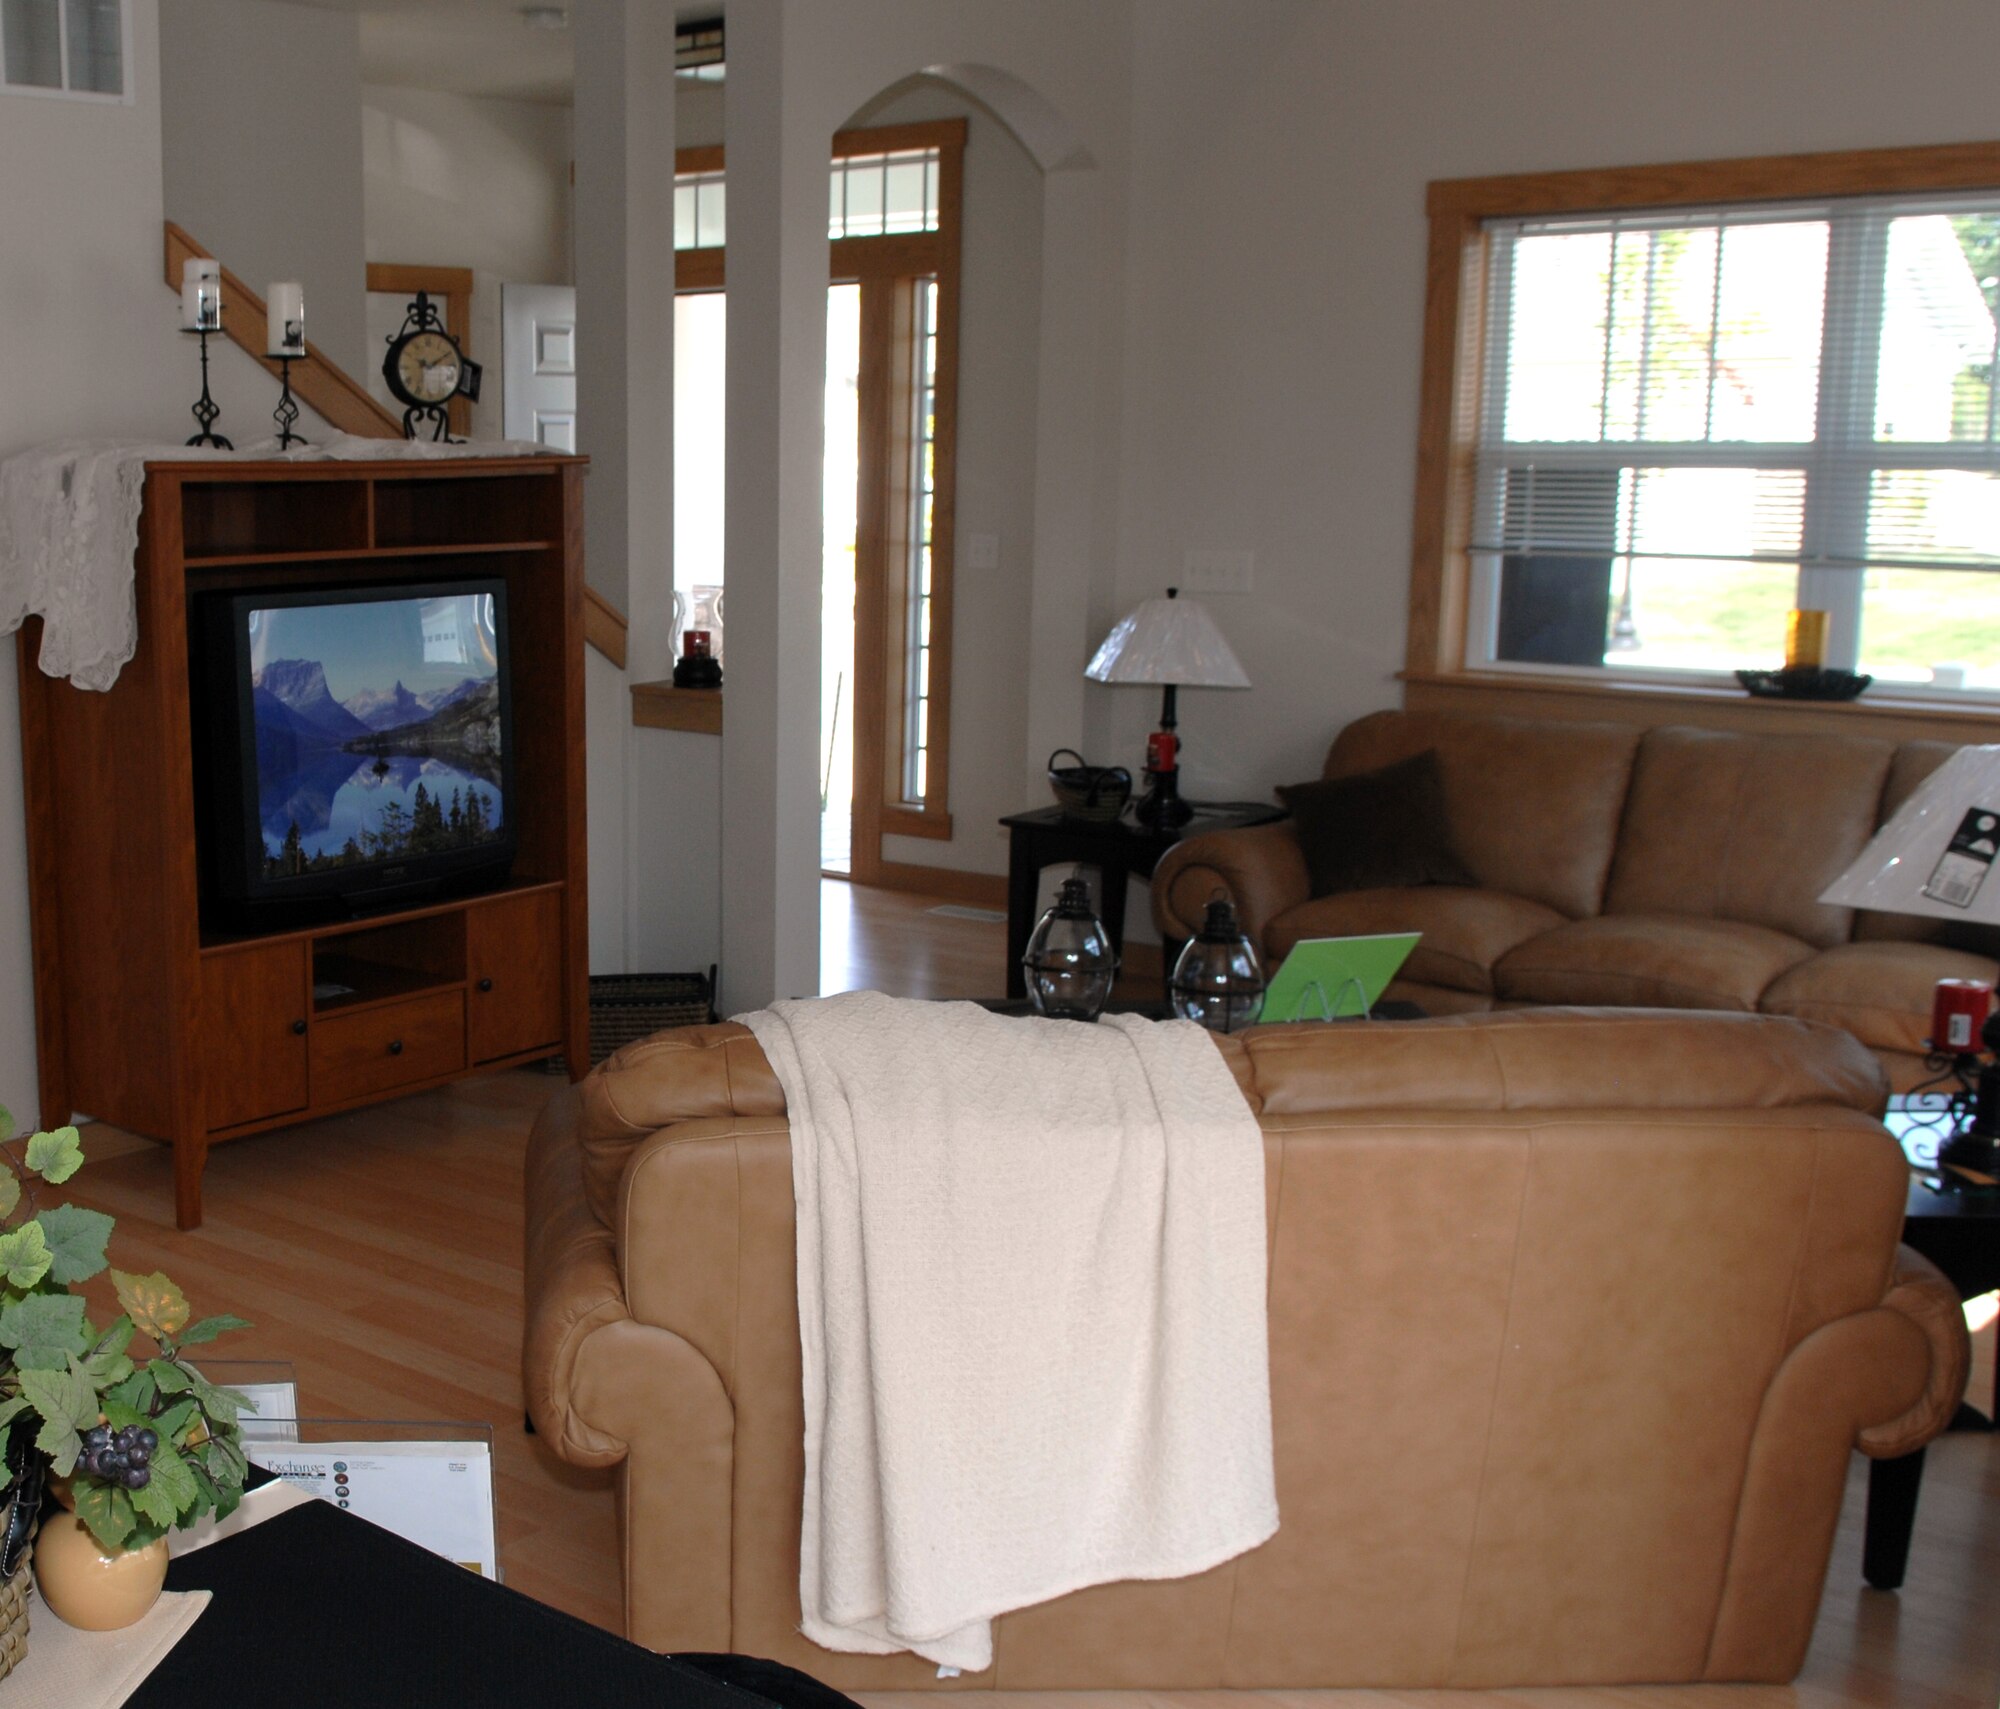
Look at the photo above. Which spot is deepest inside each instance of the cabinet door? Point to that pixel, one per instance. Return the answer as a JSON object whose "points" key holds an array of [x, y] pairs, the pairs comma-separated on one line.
{"points": [[513, 964], [253, 1022]]}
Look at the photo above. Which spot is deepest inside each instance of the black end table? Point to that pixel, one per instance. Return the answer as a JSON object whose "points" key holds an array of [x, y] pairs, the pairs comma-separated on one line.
{"points": [[1958, 1230], [1120, 849]]}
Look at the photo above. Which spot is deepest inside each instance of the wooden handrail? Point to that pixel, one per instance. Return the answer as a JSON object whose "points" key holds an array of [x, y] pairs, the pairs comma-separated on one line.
{"points": [[319, 384], [604, 626]]}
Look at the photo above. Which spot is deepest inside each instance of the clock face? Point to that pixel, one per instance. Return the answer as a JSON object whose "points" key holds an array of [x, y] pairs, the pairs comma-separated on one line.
{"points": [[427, 363]]}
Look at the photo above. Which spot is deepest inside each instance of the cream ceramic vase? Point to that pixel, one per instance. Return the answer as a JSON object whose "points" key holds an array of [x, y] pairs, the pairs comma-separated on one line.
{"points": [[87, 1588]]}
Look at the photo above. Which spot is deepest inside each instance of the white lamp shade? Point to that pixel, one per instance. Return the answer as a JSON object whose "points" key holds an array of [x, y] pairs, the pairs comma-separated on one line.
{"points": [[1936, 856], [1168, 640]]}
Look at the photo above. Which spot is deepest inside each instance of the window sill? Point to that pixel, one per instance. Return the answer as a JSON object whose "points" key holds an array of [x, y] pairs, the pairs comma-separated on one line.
{"points": [[661, 706], [1894, 715]]}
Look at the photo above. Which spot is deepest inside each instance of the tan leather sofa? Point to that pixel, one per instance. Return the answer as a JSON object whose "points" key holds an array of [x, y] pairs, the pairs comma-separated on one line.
{"points": [[1576, 1319], [1668, 867]]}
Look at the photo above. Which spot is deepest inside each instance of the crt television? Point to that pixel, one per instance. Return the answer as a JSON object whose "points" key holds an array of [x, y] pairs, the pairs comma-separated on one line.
{"points": [[355, 745]]}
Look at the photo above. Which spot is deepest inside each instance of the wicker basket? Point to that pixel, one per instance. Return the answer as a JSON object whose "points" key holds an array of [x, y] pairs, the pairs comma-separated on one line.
{"points": [[1096, 793], [14, 1595]]}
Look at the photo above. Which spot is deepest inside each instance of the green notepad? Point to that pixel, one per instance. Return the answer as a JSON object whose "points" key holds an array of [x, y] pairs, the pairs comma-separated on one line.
{"points": [[1326, 978]]}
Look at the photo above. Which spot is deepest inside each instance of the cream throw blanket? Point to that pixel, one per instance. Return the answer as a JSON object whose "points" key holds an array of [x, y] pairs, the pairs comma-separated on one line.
{"points": [[1031, 1269]]}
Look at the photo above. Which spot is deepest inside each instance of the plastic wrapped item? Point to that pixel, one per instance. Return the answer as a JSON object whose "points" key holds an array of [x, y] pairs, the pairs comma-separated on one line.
{"points": [[1936, 856]]}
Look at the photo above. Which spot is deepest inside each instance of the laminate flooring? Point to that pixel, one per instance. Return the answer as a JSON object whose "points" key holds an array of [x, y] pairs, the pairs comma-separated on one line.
{"points": [[380, 1252]]}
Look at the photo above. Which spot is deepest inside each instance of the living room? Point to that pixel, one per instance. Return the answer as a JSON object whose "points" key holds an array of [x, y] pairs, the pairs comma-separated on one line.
{"points": [[1214, 346]]}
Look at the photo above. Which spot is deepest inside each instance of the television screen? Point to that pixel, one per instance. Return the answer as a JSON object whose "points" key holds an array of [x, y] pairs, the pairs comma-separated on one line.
{"points": [[379, 727]]}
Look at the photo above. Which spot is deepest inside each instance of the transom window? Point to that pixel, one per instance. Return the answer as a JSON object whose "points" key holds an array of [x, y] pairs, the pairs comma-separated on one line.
{"points": [[869, 195], [63, 47], [1682, 421]]}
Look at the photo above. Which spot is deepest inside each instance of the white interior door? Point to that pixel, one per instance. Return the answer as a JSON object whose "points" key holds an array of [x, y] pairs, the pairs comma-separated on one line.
{"points": [[538, 361]]}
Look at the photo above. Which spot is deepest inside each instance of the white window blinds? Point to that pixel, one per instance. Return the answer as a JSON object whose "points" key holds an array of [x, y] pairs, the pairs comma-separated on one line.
{"points": [[1799, 386]]}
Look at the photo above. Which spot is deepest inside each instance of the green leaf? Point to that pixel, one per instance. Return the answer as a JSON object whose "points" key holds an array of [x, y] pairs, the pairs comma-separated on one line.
{"points": [[172, 1378], [154, 1304], [76, 1238], [55, 1156], [209, 1328], [67, 1405], [137, 1392], [12, 1409], [118, 1415], [171, 1423], [10, 1190], [24, 1255], [172, 1474], [6, 1125], [106, 1510], [45, 1330]]}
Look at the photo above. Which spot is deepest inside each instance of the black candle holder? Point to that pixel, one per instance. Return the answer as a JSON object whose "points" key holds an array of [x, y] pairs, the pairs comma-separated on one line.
{"points": [[206, 409], [286, 415]]}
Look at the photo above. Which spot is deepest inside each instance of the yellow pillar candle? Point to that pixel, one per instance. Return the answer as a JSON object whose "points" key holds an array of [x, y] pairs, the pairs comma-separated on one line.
{"points": [[1805, 641]]}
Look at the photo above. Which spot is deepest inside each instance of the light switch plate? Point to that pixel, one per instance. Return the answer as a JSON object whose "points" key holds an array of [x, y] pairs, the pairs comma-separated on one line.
{"points": [[1217, 570], [982, 551]]}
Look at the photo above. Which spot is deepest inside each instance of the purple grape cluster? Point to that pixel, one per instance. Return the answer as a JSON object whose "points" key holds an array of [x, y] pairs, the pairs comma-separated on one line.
{"points": [[119, 1456]]}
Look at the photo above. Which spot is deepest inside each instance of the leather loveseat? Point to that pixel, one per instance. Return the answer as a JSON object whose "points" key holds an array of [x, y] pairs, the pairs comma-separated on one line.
{"points": [[1667, 867], [1576, 1319]]}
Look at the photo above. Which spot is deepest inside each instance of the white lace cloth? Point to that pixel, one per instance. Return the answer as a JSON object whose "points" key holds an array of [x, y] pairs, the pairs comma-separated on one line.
{"points": [[69, 526]]}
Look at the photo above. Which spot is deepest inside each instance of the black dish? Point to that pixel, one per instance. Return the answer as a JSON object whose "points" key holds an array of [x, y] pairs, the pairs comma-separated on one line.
{"points": [[1804, 684]]}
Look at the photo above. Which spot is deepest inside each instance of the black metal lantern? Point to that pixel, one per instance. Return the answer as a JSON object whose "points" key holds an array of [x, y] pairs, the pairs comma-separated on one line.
{"points": [[1069, 960], [1218, 981]]}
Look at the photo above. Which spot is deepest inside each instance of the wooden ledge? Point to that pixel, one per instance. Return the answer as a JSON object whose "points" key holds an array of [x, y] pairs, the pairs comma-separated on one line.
{"points": [[661, 706], [1891, 715]]}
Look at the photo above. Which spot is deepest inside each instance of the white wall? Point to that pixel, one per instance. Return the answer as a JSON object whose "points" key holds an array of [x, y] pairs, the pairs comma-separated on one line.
{"points": [[262, 155], [88, 348], [1274, 297], [461, 181]]}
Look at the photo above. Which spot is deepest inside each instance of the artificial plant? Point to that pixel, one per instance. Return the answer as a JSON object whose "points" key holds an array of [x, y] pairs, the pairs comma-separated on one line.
{"points": [[148, 1444]]}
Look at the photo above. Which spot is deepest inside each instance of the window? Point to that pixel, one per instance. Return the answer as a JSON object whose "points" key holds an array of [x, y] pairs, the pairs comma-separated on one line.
{"points": [[63, 47], [1682, 402], [870, 195]]}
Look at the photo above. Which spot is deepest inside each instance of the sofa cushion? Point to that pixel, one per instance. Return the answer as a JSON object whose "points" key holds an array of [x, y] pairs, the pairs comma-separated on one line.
{"points": [[1746, 828], [1667, 961], [1533, 806], [1373, 829], [1464, 931], [1880, 992], [1913, 762]]}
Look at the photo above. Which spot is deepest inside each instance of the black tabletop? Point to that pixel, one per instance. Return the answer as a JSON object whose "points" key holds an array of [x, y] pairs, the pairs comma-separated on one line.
{"points": [[1920, 1127], [316, 1607]]}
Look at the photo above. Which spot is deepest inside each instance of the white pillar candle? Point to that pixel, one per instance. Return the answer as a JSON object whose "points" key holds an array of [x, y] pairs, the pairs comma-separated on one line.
{"points": [[201, 294], [286, 321]]}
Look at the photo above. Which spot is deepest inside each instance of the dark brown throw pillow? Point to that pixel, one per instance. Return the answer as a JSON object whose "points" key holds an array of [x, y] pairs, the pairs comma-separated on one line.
{"points": [[1377, 829]]}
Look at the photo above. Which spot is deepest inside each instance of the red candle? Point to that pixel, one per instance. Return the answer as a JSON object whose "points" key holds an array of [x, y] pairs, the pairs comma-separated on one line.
{"points": [[695, 644], [1162, 747], [1958, 1010]]}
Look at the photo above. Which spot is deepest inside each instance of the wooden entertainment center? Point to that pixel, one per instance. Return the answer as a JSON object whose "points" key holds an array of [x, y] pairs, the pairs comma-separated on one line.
{"points": [[193, 1035]]}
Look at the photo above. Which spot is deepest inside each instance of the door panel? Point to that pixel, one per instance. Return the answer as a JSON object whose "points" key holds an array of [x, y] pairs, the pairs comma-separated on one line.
{"points": [[538, 363], [254, 1012], [513, 956]]}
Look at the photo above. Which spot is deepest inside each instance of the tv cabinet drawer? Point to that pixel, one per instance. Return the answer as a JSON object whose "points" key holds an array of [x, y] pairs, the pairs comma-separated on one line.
{"points": [[395, 1045]]}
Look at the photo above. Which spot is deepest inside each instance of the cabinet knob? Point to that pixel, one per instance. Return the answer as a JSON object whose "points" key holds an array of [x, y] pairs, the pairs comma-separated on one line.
{"points": [[486, 985], [299, 1028], [395, 1047]]}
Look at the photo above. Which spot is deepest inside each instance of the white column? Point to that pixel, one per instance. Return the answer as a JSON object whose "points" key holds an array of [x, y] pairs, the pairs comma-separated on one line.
{"points": [[777, 168]]}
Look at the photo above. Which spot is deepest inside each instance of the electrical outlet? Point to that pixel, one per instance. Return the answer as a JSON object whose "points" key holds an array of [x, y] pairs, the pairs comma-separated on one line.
{"points": [[1226, 570], [982, 551]]}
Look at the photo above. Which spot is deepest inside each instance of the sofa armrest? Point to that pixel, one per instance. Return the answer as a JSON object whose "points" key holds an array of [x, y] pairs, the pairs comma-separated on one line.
{"points": [[1917, 1289], [1260, 868], [572, 1285]]}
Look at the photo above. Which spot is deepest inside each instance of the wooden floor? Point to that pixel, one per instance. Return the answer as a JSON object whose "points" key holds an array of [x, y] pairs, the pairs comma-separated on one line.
{"points": [[380, 1253]]}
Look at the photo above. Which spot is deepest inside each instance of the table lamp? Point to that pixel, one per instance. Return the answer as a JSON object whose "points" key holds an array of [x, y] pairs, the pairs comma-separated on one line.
{"points": [[1171, 643]]}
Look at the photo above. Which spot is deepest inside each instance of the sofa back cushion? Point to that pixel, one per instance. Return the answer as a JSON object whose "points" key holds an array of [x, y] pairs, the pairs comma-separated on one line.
{"points": [[1915, 761], [1749, 828], [1532, 806]]}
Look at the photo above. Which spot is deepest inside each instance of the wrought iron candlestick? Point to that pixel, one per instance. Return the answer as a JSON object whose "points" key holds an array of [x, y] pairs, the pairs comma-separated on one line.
{"points": [[286, 415], [206, 409]]}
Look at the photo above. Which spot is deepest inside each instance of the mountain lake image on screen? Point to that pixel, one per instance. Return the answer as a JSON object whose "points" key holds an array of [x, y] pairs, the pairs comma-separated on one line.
{"points": [[378, 730]]}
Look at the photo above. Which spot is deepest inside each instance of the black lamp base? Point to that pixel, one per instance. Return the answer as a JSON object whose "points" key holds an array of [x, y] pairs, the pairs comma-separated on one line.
{"points": [[1162, 805]]}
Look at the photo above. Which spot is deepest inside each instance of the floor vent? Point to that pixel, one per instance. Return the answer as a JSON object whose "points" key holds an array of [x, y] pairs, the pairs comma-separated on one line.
{"points": [[958, 911]]}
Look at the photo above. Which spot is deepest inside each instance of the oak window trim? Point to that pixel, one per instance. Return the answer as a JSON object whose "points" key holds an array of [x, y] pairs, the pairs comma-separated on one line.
{"points": [[1454, 297]]}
